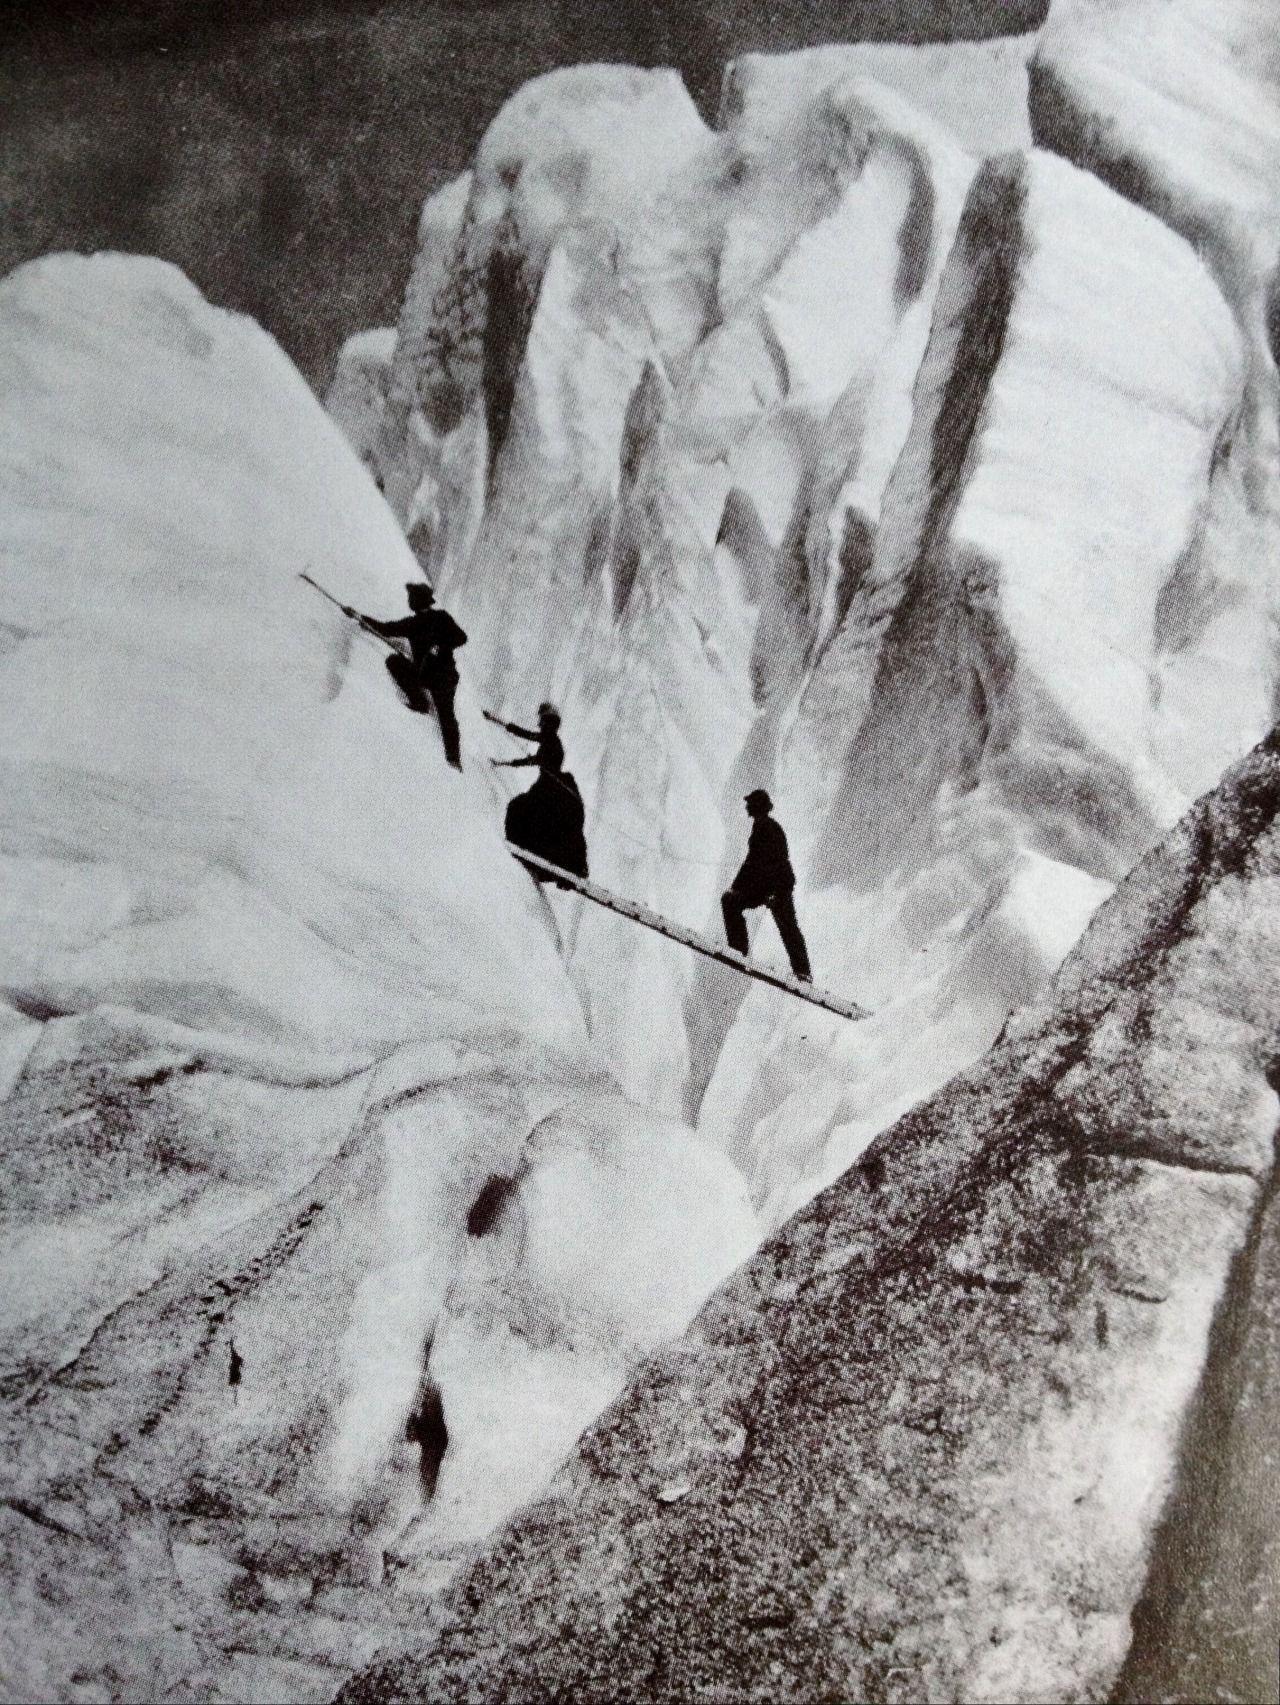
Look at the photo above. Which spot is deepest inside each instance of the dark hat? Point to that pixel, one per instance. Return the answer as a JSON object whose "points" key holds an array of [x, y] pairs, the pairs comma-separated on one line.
{"points": [[547, 709], [758, 796], [419, 590]]}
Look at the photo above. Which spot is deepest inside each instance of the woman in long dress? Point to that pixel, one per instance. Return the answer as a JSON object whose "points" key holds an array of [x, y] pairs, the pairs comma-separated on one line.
{"points": [[549, 818]]}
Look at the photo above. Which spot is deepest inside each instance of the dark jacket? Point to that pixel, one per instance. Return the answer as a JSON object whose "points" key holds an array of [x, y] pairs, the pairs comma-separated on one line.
{"points": [[433, 637], [766, 870]]}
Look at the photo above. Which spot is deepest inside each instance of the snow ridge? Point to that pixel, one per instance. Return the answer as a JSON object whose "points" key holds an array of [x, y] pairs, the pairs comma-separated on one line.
{"points": [[278, 1006]]}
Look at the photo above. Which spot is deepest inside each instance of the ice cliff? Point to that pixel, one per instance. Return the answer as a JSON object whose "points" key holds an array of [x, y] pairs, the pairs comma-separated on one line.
{"points": [[326, 1229], [857, 448]]}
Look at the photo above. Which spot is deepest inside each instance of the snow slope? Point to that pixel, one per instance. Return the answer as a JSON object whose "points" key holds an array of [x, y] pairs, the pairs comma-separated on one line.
{"points": [[285, 1027], [984, 595], [206, 809], [222, 855]]}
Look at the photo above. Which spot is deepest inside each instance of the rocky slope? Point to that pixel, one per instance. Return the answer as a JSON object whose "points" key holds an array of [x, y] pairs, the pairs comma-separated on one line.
{"points": [[325, 1228], [919, 1447]]}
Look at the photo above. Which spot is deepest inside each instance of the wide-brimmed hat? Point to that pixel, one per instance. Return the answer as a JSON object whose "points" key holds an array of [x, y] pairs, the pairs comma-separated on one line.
{"points": [[418, 590]]}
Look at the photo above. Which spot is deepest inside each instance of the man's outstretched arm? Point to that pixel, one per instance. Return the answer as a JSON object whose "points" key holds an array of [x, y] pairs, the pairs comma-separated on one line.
{"points": [[401, 629]]}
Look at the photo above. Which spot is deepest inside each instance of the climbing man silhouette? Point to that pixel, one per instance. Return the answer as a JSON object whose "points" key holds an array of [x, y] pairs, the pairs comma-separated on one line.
{"points": [[433, 637], [765, 879]]}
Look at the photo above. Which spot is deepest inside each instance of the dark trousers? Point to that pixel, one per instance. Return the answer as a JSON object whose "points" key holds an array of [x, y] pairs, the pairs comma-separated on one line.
{"points": [[734, 905], [424, 691]]}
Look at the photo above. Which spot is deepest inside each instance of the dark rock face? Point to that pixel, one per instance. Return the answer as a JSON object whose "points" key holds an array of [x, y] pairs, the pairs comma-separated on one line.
{"points": [[942, 1435], [1205, 1627]]}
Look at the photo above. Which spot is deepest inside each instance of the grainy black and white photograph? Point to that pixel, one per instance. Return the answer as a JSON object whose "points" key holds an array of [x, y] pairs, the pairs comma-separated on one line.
{"points": [[640, 852]]}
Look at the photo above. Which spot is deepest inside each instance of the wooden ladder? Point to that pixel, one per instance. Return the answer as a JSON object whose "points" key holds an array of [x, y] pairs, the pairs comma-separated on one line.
{"points": [[690, 938]]}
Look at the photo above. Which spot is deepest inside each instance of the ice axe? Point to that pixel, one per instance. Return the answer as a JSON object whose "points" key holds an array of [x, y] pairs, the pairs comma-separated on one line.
{"points": [[303, 575], [336, 602], [348, 612]]}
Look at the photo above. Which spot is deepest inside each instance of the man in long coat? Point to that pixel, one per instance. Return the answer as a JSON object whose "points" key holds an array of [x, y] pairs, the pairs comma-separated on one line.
{"points": [[430, 670], [766, 879]]}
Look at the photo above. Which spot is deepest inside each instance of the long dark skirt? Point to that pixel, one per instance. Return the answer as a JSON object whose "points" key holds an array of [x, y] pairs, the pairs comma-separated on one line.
{"points": [[549, 820]]}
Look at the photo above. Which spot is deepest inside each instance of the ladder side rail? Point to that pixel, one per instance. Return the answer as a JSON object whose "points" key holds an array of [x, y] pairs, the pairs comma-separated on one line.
{"points": [[636, 913]]}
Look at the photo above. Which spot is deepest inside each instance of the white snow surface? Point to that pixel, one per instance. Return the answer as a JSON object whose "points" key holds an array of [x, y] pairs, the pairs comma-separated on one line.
{"points": [[738, 555], [358, 397], [1178, 104], [209, 813], [1189, 92], [599, 1285], [975, 90]]}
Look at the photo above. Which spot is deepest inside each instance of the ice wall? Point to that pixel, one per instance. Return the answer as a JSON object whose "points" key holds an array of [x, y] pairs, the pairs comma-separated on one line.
{"points": [[1014, 746], [326, 1229], [961, 545], [1178, 108]]}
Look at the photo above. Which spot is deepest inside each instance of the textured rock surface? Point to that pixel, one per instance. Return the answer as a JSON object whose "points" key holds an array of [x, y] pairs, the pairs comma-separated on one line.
{"points": [[920, 1447], [1204, 1628]]}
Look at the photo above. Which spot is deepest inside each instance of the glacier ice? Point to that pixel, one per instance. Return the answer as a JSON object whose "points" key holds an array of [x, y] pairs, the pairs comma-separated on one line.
{"points": [[904, 442], [954, 542], [278, 1009]]}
